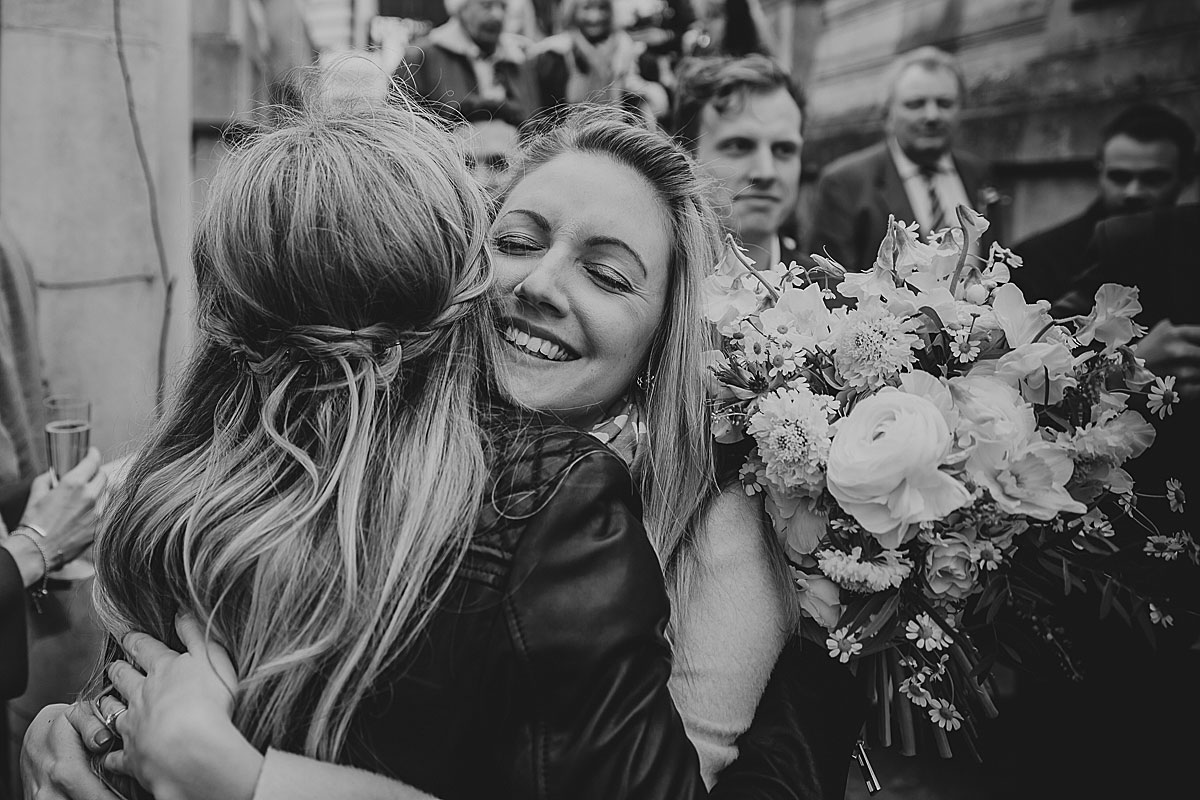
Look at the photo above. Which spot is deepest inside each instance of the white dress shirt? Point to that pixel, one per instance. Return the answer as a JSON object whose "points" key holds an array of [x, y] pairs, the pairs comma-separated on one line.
{"points": [[946, 182]]}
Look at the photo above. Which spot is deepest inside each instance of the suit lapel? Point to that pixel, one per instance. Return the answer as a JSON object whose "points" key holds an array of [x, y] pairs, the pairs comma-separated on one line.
{"points": [[890, 195]]}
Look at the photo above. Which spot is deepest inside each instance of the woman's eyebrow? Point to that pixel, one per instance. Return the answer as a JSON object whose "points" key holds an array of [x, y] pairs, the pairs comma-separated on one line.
{"points": [[622, 244], [534, 217]]}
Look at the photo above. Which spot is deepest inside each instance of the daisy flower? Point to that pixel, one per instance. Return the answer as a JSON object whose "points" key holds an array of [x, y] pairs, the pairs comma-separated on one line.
{"points": [[926, 633], [1162, 396], [1159, 618], [945, 715], [962, 348], [1127, 501], [914, 689], [987, 555], [1175, 495], [1167, 548], [842, 645], [751, 475]]}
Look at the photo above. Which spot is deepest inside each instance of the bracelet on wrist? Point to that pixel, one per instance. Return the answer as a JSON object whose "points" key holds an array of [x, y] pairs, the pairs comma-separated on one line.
{"points": [[55, 559], [39, 590]]}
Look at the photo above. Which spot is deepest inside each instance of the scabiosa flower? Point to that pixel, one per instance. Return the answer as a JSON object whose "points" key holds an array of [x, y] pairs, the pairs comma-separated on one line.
{"points": [[926, 633], [915, 690], [1158, 617], [791, 427], [962, 348], [872, 347], [945, 715], [1162, 396], [1175, 495], [842, 645], [848, 570]]}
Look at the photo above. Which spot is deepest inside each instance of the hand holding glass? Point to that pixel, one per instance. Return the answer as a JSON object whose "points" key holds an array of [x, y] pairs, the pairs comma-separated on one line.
{"points": [[68, 436], [68, 432]]}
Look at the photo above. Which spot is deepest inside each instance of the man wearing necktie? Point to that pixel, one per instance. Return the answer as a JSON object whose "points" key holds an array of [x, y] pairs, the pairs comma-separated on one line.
{"points": [[915, 173]]}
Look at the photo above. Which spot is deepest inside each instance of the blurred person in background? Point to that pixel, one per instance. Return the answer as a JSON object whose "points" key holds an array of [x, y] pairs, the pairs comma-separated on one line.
{"points": [[488, 145], [728, 28], [742, 120], [594, 61], [1146, 160], [471, 65], [916, 173]]}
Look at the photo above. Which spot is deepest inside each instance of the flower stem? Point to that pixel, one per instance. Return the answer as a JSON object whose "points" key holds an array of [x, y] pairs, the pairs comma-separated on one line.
{"points": [[748, 265]]}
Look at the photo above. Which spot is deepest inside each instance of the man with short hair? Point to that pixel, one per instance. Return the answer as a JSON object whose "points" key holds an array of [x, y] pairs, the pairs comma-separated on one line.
{"points": [[1145, 161], [470, 65], [915, 174], [742, 119]]}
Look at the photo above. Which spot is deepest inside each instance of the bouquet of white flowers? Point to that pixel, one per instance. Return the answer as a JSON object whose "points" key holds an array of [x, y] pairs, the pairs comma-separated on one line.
{"points": [[933, 449]]}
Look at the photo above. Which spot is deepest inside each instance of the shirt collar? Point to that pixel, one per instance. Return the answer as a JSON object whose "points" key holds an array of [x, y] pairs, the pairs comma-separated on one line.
{"points": [[909, 169]]}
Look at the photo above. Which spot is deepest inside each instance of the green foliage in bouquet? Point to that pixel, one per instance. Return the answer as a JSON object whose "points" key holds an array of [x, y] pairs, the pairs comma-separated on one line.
{"points": [[935, 450]]}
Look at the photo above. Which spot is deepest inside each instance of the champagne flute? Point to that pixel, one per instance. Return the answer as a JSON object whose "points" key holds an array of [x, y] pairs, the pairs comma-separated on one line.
{"points": [[68, 436]]}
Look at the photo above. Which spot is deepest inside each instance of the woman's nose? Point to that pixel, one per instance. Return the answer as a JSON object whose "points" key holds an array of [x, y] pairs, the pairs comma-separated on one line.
{"points": [[543, 286]]}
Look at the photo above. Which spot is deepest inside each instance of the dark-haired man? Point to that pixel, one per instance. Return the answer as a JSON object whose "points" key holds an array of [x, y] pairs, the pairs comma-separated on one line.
{"points": [[1145, 162], [742, 118]]}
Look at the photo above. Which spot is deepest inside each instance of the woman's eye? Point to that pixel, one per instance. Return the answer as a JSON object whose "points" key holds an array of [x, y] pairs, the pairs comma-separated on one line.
{"points": [[608, 278], [514, 245]]}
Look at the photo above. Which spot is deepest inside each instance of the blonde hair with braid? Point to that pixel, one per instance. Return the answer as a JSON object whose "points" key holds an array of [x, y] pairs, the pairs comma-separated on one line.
{"points": [[313, 487]]}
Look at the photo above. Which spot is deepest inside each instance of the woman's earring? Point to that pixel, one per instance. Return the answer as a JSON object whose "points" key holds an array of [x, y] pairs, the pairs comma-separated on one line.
{"points": [[645, 380]]}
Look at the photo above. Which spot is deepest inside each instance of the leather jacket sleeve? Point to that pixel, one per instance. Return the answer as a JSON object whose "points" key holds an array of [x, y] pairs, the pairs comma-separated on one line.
{"points": [[14, 667], [799, 744], [587, 612]]}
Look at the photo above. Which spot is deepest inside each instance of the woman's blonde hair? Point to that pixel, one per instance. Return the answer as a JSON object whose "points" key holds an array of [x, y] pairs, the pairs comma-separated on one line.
{"points": [[314, 486], [675, 470]]}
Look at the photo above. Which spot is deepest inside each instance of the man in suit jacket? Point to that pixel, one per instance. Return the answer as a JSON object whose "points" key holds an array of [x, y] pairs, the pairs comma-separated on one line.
{"points": [[471, 68], [1146, 160], [914, 174], [741, 117]]}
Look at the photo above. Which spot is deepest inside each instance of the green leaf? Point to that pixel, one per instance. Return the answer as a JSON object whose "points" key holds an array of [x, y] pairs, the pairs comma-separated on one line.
{"points": [[885, 613], [1106, 597]]}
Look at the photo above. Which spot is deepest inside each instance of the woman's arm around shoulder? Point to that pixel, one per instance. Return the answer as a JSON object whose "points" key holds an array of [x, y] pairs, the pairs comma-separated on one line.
{"points": [[587, 613], [729, 628]]}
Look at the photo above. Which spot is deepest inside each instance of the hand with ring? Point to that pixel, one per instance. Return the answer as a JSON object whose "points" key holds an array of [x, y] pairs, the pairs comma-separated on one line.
{"points": [[174, 719], [54, 762]]}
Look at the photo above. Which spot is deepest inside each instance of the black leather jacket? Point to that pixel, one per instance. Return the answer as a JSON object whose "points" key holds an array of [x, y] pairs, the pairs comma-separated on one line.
{"points": [[544, 674]]}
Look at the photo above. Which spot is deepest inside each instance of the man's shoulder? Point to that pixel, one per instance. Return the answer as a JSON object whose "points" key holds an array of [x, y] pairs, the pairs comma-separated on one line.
{"points": [[1170, 230], [1072, 234], [859, 162]]}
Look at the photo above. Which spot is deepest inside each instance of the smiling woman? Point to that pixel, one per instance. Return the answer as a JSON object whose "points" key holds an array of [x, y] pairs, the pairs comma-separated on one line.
{"points": [[582, 250], [599, 246]]}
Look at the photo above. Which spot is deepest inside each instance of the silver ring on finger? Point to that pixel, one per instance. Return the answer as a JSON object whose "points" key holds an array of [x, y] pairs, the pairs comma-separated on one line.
{"points": [[110, 721]]}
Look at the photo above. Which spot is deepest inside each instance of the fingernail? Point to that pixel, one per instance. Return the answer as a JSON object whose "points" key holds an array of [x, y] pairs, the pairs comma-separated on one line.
{"points": [[103, 737]]}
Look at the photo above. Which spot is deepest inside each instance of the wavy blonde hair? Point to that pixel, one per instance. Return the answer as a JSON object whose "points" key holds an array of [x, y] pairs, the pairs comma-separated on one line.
{"points": [[314, 486], [675, 471]]}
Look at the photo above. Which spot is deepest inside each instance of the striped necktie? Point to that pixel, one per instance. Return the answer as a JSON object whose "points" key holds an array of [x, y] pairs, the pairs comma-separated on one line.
{"points": [[937, 215]]}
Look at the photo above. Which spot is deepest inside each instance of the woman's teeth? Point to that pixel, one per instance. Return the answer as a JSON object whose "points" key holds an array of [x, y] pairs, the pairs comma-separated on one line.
{"points": [[535, 346]]}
